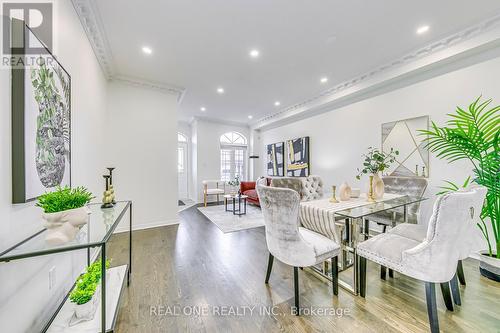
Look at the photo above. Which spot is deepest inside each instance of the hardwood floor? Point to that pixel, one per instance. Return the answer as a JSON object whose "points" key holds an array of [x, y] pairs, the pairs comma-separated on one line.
{"points": [[195, 267]]}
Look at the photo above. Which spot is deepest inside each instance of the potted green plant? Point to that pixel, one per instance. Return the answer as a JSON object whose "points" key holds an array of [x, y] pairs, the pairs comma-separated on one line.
{"points": [[376, 162], [234, 185], [65, 211], [86, 292], [474, 134]]}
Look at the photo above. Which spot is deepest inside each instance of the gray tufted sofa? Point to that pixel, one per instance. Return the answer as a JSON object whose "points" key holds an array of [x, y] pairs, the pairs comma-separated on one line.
{"points": [[309, 188]]}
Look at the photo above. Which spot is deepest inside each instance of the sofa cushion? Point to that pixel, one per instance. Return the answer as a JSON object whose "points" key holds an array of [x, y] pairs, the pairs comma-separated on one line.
{"points": [[251, 194]]}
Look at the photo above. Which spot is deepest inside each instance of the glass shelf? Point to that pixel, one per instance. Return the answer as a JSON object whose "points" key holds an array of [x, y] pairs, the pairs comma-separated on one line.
{"points": [[361, 211], [102, 223]]}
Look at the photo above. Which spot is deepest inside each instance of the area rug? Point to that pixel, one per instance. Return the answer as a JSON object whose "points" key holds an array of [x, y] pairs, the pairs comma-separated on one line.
{"points": [[227, 222]]}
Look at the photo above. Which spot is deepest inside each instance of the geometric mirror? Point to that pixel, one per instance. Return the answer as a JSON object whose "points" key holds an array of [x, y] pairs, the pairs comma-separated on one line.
{"points": [[403, 136]]}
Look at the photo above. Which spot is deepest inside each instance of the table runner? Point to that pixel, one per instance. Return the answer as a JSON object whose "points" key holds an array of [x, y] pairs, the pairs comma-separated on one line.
{"points": [[319, 215]]}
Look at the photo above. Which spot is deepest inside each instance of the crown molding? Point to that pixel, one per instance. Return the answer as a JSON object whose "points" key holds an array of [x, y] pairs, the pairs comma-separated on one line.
{"points": [[218, 121], [92, 25], [158, 86], [485, 34], [89, 16]]}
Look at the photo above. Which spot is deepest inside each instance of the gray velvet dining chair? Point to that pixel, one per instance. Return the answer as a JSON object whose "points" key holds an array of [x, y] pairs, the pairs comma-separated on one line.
{"points": [[418, 232], [288, 242], [433, 260], [411, 186]]}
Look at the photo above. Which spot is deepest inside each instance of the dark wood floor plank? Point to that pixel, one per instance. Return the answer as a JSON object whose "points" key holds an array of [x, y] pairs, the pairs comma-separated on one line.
{"points": [[195, 264]]}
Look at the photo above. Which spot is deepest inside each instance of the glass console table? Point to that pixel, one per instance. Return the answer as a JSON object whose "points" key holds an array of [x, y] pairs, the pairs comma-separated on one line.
{"points": [[95, 234]]}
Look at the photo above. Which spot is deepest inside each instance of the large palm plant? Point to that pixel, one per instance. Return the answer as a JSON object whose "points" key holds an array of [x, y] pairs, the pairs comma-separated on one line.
{"points": [[474, 134]]}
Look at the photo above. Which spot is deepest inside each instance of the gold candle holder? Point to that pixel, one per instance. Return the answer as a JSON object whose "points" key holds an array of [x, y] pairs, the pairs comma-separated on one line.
{"points": [[370, 192], [334, 199]]}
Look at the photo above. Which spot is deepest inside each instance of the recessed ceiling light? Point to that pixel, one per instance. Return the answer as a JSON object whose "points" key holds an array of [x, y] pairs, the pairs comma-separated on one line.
{"points": [[147, 50], [422, 29], [220, 90], [254, 53], [203, 109], [324, 80], [277, 103], [250, 117]]}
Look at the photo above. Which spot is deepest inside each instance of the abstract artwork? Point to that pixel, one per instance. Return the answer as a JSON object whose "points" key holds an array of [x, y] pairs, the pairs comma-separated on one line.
{"points": [[298, 157], [275, 159], [403, 136], [41, 122]]}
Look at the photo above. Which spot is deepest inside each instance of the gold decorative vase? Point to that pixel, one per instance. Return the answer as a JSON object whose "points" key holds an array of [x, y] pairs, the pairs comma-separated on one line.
{"points": [[370, 192]]}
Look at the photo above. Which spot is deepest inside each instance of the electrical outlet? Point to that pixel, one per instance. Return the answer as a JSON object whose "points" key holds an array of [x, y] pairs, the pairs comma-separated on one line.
{"points": [[52, 277]]}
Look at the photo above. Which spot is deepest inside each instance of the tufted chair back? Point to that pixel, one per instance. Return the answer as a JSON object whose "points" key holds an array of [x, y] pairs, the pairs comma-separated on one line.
{"points": [[411, 186], [435, 259], [312, 188], [294, 183], [280, 207]]}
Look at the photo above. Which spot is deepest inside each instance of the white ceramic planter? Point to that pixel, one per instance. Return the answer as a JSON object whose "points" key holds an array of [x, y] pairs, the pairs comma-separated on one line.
{"points": [[489, 266], [84, 312], [62, 227]]}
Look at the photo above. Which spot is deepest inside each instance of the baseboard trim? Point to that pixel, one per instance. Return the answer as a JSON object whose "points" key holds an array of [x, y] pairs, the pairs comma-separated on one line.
{"points": [[144, 226]]}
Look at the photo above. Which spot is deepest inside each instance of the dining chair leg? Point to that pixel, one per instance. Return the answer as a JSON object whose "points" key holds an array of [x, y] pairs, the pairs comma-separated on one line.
{"points": [[445, 290], [296, 288], [362, 276], [269, 267], [430, 295], [455, 291], [335, 275], [460, 273], [383, 271]]}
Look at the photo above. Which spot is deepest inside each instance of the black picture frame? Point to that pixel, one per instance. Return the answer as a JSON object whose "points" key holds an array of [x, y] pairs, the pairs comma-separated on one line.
{"points": [[301, 166], [19, 32], [274, 167]]}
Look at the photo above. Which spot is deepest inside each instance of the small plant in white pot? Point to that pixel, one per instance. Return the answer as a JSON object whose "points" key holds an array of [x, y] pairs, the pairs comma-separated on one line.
{"points": [[234, 185], [86, 293], [473, 134], [375, 162], [65, 211]]}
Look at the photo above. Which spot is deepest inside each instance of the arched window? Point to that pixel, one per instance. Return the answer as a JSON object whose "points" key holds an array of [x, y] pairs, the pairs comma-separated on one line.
{"points": [[233, 153], [233, 138]]}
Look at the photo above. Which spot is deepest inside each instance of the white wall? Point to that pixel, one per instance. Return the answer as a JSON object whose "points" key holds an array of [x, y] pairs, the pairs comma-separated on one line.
{"points": [[143, 148], [25, 300], [206, 148], [339, 137]]}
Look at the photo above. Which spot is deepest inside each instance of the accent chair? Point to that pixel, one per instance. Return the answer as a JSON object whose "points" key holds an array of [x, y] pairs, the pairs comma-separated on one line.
{"points": [[213, 187]]}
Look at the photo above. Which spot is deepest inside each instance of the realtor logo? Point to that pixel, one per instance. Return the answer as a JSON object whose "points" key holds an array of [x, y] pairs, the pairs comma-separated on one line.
{"points": [[38, 17]]}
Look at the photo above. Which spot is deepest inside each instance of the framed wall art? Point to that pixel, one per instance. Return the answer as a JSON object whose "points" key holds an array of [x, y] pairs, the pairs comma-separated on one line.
{"points": [[41, 122], [275, 159], [298, 164], [403, 136]]}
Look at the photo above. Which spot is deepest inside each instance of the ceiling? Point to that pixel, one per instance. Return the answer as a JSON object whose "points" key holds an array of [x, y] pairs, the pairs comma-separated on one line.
{"points": [[203, 45]]}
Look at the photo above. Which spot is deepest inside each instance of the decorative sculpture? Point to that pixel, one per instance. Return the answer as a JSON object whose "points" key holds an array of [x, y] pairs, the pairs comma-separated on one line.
{"points": [[111, 187], [334, 199], [107, 200], [345, 192]]}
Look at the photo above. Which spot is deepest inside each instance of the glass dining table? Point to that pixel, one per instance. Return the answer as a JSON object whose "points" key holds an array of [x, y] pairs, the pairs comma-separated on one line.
{"points": [[348, 223]]}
